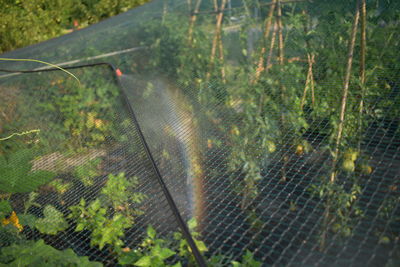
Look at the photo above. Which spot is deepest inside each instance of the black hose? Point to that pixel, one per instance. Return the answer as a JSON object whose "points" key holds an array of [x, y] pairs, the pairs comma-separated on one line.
{"points": [[195, 250]]}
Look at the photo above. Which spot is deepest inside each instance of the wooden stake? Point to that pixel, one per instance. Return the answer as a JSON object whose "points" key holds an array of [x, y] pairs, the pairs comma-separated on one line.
{"points": [[363, 45], [192, 21], [271, 47], [268, 22], [350, 56], [281, 59], [280, 34], [309, 82], [217, 37], [269, 64]]}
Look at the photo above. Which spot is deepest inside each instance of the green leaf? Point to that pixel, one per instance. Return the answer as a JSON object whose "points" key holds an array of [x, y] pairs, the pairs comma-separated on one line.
{"points": [[5, 208], [79, 227], [37, 253], [53, 221], [95, 205], [201, 245], [192, 223], [27, 220], [16, 176], [3, 162], [165, 253], [128, 257], [151, 232], [144, 261]]}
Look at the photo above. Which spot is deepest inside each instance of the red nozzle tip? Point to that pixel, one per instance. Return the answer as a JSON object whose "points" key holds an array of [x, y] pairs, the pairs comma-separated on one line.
{"points": [[118, 72]]}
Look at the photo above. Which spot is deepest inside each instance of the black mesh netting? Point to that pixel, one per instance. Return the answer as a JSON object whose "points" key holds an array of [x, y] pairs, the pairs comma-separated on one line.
{"points": [[274, 126]]}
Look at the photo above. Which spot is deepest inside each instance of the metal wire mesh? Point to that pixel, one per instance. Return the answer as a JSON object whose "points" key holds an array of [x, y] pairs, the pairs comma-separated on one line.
{"points": [[245, 122]]}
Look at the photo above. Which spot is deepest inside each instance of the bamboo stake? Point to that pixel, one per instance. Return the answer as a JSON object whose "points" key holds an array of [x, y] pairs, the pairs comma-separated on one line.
{"points": [[280, 34], [220, 46], [363, 44], [268, 22], [192, 21], [281, 59], [221, 58], [269, 64], [215, 6], [306, 28], [258, 5], [271, 47], [165, 11], [346, 83], [363, 40], [312, 60], [217, 35], [246, 8], [309, 82]]}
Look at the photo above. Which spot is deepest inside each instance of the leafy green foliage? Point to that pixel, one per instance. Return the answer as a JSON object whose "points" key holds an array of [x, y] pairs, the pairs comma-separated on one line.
{"points": [[118, 192], [153, 251], [105, 230], [156, 251], [53, 221], [37, 253], [275, 116], [110, 214], [5, 208], [16, 175], [87, 171], [184, 249], [27, 22], [61, 186], [80, 117], [247, 261]]}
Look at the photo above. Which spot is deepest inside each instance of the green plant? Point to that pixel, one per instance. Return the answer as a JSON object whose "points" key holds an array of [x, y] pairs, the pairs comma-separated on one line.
{"points": [[5, 208], [247, 261], [16, 175], [82, 116], [156, 251], [111, 213], [152, 252], [53, 221], [184, 250], [344, 210], [87, 171], [45, 19], [105, 230], [119, 193], [31, 253]]}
